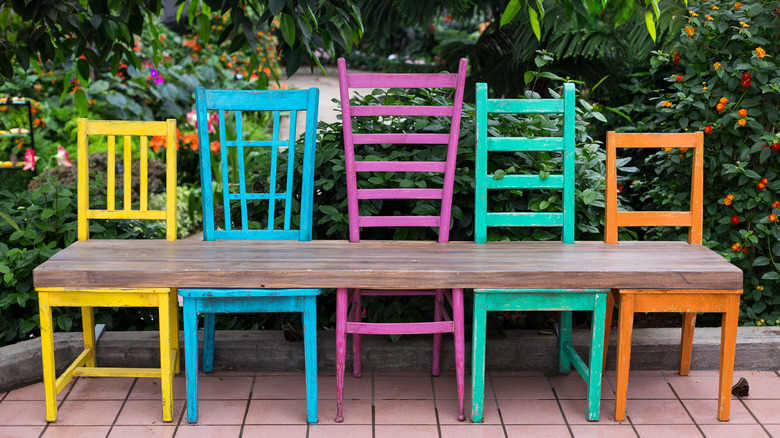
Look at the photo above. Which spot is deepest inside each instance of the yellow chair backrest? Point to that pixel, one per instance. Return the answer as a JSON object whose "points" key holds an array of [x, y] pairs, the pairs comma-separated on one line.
{"points": [[127, 129]]}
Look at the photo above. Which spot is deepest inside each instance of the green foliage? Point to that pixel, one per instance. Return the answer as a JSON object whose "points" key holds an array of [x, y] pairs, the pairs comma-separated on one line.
{"points": [[724, 81], [94, 36]]}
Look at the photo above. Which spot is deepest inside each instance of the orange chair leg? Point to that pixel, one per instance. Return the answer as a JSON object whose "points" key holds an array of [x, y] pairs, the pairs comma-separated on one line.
{"points": [[728, 347], [686, 342], [625, 329]]}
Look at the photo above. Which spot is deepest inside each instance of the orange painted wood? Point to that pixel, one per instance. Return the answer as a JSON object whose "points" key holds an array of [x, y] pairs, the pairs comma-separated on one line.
{"points": [[654, 299]]}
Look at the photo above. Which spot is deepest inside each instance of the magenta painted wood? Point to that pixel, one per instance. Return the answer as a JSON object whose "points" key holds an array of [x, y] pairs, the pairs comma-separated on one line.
{"points": [[348, 306]]}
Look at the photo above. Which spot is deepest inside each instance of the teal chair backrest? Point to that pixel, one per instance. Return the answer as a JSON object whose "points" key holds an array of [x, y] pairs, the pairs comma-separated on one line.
{"points": [[236, 103], [563, 181]]}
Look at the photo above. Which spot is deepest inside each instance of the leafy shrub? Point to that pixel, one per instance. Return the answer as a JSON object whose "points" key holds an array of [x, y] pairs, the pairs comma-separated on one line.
{"points": [[724, 81]]}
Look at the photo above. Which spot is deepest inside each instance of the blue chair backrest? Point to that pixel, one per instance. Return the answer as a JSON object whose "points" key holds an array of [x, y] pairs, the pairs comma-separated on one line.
{"points": [[234, 103], [563, 181]]}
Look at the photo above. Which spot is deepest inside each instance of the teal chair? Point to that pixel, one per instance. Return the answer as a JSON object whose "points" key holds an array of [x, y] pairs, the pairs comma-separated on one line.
{"points": [[233, 108], [565, 300]]}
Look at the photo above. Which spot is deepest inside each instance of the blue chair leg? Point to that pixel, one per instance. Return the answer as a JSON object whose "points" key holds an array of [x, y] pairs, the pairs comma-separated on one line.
{"points": [[208, 342], [564, 366], [310, 351], [191, 356]]}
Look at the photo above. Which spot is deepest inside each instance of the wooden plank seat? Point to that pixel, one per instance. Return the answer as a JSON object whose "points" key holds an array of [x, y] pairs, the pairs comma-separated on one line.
{"points": [[273, 225], [562, 181], [349, 307], [647, 298], [81, 295]]}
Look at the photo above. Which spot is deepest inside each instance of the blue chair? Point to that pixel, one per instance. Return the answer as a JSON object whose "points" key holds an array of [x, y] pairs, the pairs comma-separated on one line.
{"points": [[210, 301]]}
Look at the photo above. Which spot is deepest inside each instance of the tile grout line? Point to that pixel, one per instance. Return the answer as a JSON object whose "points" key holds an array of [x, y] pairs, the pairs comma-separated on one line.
{"points": [[614, 393], [489, 378], [560, 408], [59, 404], [248, 402], [435, 405], [124, 402], [181, 417], [753, 415], [666, 378]]}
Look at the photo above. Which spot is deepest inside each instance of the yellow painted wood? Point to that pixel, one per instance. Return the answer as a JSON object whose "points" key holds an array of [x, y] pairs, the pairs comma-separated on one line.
{"points": [[117, 372], [164, 299], [144, 173], [82, 156], [133, 214], [123, 127], [47, 353], [83, 358], [88, 324], [111, 205], [170, 180], [127, 154]]}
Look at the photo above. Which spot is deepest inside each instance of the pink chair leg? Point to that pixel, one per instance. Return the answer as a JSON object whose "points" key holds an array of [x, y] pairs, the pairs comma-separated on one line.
{"points": [[437, 336], [341, 350], [460, 347], [357, 344]]}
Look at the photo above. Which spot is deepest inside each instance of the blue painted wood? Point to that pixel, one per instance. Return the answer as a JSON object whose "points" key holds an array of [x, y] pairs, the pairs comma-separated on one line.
{"points": [[212, 301], [566, 301]]}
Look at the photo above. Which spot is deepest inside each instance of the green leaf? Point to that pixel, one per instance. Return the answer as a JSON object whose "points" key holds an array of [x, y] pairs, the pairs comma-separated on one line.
{"points": [[771, 275], [535, 23], [589, 196], [80, 100], [294, 61], [499, 175], [65, 322], [528, 77], [47, 213], [276, 6], [761, 261], [204, 28], [650, 24], [288, 29], [511, 10]]}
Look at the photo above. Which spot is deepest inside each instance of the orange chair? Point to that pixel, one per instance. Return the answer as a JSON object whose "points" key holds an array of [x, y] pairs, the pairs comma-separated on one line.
{"points": [[666, 300]]}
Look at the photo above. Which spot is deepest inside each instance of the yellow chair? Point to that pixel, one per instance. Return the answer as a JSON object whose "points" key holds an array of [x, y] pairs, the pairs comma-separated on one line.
{"points": [[163, 298]]}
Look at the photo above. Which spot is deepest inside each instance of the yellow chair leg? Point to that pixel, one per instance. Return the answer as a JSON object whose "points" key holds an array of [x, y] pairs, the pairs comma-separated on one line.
{"points": [[166, 366], [174, 307], [88, 323], [47, 353]]}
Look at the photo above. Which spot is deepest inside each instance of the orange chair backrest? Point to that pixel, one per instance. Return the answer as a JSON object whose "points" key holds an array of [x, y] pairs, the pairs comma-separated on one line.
{"points": [[693, 218]]}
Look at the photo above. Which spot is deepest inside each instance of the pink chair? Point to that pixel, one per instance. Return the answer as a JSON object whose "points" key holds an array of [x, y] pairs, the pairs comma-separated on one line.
{"points": [[350, 322]]}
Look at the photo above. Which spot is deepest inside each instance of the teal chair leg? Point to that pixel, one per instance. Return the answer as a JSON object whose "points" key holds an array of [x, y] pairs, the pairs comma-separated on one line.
{"points": [[208, 342], [595, 363], [478, 357], [191, 356], [564, 366], [310, 351]]}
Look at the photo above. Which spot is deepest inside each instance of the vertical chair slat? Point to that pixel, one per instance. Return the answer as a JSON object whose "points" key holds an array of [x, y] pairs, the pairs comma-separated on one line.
{"points": [[111, 171], [225, 168], [569, 112], [241, 170], [127, 154], [290, 161], [272, 176], [144, 173], [83, 179]]}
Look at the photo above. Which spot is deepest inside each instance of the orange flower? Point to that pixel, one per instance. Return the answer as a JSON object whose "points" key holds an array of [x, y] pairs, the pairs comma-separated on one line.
{"points": [[709, 17], [761, 186], [668, 150], [743, 24], [741, 122], [776, 204], [736, 246], [690, 30], [683, 150], [726, 201], [708, 129], [679, 78], [772, 217], [157, 143], [730, 196], [760, 52], [720, 107], [742, 112], [723, 100], [214, 146], [693, 14], [737, 5], [716, 65], [666, 104]]}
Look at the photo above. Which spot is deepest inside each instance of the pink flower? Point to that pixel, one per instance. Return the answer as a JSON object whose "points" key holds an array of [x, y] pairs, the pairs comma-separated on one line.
{"points": [[214, 118], [63, 159], [192, 118], [29, 160]]}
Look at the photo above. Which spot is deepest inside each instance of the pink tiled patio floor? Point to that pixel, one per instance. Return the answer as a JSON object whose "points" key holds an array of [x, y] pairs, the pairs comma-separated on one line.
{"points": [[401, 404]]}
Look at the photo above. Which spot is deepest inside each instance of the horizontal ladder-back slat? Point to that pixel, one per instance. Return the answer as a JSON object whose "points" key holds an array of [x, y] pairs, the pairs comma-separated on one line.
{"points": [[399, 193], [499, 144], [658, 141], [525, 106], [122, 214], [406, 328], [400, 138], [400, 166], [525, 182], [265, 100], [400, 110], [253, 234], [396, 293], [117, 372], [524, 219], [398, 221], [255, 143], [654, 218], [402, 80], [123, 127], [237, 196]]}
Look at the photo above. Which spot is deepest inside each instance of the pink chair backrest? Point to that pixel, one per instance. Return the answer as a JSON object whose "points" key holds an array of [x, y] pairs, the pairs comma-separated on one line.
{"points": [[349, 81]]}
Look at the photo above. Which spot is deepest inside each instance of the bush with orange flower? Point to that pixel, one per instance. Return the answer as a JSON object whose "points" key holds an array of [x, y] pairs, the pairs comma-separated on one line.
{"points": [[731, 92]]}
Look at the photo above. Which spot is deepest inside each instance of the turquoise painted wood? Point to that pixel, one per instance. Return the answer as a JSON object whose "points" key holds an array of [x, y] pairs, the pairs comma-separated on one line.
{"points": [[564, 300], [226, 104]]}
